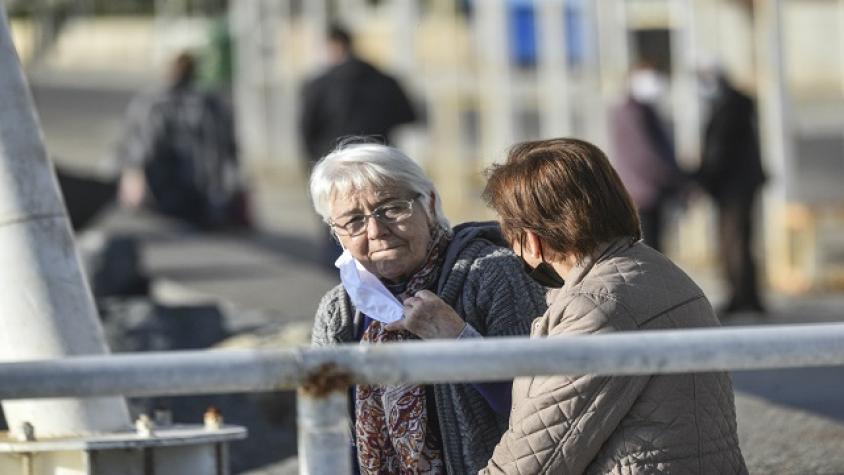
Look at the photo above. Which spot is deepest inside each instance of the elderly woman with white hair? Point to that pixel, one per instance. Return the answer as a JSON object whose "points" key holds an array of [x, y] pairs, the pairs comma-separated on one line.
{"points": [[399, 251]]}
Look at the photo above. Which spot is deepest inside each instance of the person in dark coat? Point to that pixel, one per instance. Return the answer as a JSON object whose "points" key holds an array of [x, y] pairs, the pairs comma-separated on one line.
{"points": [[731, 173], [351, 98], [178, 154]]}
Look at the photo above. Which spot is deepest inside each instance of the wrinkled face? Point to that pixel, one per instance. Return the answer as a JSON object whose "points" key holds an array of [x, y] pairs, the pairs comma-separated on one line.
{"points": [[390, 251]]}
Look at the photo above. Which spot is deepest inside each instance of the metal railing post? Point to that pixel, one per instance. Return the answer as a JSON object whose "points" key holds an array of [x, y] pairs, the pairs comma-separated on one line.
{"points": [[322, 416]]}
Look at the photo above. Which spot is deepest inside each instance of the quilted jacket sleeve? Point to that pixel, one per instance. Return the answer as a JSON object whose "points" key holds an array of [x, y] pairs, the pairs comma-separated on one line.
{"points": [[559, 423]]}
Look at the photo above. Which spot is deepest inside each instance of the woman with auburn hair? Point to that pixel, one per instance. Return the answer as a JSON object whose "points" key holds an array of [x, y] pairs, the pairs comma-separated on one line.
{"points": [[567, 215]]}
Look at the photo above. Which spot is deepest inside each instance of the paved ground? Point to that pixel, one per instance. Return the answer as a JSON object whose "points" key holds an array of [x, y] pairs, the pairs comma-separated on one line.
{"points": [[790, 420]]}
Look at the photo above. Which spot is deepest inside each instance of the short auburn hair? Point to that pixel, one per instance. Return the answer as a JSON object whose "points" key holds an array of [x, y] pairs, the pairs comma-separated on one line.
{"points": [[566, 192]]}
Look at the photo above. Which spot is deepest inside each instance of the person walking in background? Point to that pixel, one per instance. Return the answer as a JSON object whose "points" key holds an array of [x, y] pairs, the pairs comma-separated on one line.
{"points": [[644, 152], [178, 154], [731, 173], [350, 98]]}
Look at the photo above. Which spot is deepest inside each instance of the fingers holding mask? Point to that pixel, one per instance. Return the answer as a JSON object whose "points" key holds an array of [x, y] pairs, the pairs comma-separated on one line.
{"points": [[428, 316]]}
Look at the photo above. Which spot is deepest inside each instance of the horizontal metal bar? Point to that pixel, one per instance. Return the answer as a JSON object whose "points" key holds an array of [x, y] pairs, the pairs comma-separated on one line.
{"points": [[228, 371]]}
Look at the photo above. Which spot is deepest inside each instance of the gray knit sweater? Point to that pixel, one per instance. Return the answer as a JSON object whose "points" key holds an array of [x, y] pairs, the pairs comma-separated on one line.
{"points": [[484, 282]]}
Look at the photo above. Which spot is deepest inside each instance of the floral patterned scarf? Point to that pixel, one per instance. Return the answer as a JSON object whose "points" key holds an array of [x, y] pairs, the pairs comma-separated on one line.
{"points": [[391, 422]]}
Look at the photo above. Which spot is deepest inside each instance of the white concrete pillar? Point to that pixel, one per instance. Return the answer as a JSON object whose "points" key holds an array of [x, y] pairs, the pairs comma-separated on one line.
{"points": [[614, 44], [776, 136], [289, 89], [554, 107], [48, 310], [315, 20], [591, 101], [685, 98], [276, 117], [447, 157], [243, 17], [841, 43], [774, 102], [265, 126], [497, 123], [352, 13], [405, 14], [613, 56]]}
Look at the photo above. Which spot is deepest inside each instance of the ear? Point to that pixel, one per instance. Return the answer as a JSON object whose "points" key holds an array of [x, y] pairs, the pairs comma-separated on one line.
{"points": [[533, 244], [431, 210]]}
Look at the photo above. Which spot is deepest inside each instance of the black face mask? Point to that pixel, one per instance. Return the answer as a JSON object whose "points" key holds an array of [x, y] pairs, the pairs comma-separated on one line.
{"points": [[543, 274]]}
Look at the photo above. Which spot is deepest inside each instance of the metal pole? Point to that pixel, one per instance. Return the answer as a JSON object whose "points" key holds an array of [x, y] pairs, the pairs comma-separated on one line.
{"points": [[440, 361], [48, 310], [553, 69], [324, 440]]}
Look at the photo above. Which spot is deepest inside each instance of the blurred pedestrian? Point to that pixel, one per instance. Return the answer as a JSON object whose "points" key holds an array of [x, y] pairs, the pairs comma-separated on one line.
{"points": [[350, 98], [731, 173], [178, 155], [644, 152], [400, 256]]}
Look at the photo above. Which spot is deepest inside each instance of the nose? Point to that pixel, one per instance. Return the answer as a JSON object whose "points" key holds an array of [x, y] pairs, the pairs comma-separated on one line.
{"points": [[375, 228]]}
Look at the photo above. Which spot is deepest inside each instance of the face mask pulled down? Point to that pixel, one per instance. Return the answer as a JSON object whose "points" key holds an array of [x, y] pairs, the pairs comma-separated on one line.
{"points": [[366, 292]]}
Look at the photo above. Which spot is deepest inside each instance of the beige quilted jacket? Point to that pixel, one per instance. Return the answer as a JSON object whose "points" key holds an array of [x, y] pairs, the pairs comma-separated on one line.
{"points": [[670, 423]]}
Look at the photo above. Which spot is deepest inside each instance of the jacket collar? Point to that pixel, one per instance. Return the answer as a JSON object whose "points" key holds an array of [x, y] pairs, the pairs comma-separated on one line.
{"points": [[578, 272]]}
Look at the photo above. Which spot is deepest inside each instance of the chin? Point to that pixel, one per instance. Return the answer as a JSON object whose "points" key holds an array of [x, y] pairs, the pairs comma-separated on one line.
{"points": [[391, 271]]}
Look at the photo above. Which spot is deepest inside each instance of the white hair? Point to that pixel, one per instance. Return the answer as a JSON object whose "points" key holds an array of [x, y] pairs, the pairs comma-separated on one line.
{"points": [[366, 165]]}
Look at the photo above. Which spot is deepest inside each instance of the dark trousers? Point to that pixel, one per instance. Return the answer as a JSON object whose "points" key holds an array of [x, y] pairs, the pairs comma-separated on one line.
{"points": [[735, 240]]}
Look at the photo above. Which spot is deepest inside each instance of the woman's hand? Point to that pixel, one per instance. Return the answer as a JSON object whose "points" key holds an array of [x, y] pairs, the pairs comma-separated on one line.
{"points": [[428, 316]]}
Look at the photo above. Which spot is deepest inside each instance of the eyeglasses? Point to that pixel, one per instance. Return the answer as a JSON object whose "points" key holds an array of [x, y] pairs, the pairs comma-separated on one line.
{"points": [[388, 213]]}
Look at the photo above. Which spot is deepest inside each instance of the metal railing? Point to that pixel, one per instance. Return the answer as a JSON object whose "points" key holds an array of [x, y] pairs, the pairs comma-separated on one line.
{"points": [[323, 374]]}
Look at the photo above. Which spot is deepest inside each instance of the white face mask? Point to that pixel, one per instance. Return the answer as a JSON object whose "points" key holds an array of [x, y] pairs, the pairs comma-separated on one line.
{"points": [[367, 293], [647, 86]]}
